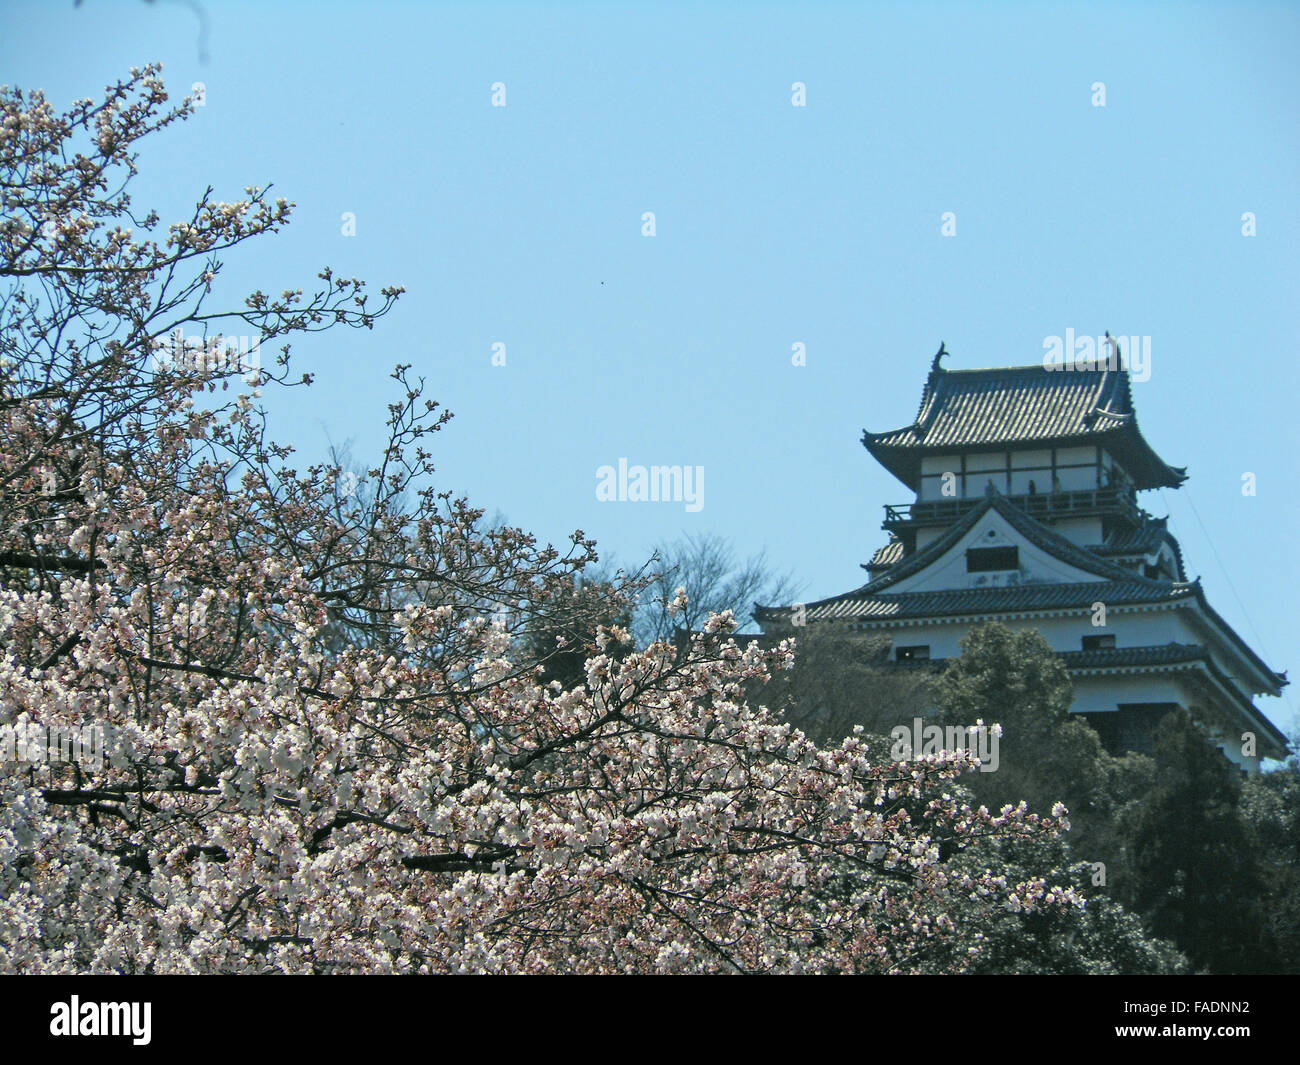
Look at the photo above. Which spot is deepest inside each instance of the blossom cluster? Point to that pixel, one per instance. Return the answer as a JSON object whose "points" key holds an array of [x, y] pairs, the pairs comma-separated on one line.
{"points": [[329, 756]]}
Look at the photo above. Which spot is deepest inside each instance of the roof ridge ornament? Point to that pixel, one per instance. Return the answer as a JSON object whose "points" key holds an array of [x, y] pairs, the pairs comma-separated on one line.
{"points": [[928, 409], [935, 365], [1106, 392], [1112, 342]]}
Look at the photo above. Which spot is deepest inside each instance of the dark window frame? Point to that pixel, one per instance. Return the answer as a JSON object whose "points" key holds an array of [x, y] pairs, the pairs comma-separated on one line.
{"points": [[1104, 642], [992, 559]]}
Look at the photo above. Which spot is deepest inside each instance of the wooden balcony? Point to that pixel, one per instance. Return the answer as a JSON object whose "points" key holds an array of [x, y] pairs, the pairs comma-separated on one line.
{"points": [[1116, 501]]}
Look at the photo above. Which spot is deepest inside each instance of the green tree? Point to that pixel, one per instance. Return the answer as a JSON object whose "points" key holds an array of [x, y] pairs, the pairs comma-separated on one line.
{"points": [[841, 679], [1046, 754], [1101, 938], [1196, 875], [1270, 805]]}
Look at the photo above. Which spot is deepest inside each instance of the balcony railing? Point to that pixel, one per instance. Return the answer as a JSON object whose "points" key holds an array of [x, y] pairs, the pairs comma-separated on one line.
{"points": [[1044, 505]]}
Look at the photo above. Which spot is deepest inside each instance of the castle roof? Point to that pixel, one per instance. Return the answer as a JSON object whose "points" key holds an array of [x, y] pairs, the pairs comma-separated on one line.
{"points": [[862, 605], [1023, 406], [885, 557], [1127, 543], [1115, 586], [1141, 541]]}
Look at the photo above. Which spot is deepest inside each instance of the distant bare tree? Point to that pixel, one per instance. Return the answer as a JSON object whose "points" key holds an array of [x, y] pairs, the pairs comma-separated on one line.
{"points": [[843, 678], [707, 567]]}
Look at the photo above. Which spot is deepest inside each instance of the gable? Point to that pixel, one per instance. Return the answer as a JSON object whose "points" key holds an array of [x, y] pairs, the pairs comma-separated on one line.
{"points": [[1035, 563]]}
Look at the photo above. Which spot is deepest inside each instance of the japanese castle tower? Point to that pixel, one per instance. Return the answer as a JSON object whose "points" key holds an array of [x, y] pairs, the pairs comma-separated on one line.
{"points": [[1026, 483]]}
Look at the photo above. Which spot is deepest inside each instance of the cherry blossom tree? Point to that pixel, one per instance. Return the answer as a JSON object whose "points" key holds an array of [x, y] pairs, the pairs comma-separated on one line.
{"points": [[715, 580], [325, 750]]}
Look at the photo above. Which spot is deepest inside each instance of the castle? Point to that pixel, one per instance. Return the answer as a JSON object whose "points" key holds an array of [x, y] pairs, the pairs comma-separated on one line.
{"points": [[1026, 483]]}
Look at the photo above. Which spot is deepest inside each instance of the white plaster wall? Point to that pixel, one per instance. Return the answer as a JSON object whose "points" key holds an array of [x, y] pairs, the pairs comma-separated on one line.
{"points": [[924, 537], [1105, 693], [936, 464], [949, 571], [932, 486], [1086, 532]]}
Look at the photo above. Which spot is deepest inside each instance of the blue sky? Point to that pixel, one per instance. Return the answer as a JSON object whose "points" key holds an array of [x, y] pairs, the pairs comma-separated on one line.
{"points": [[775, 225]]}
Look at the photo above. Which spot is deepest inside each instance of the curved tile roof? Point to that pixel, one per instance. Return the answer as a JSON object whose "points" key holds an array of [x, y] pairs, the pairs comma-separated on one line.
{"points": [[1145, 539], [970, 410], [1120, 657], [874, 600], [885, 556], [863, 605], [1030, 528]]}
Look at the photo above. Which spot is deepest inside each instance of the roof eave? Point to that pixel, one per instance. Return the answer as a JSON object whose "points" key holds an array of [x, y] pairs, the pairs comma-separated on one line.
{"points": [[1279, 680], [1147, 468]]}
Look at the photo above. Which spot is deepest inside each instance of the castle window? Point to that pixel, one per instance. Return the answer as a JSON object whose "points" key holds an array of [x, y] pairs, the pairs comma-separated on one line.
{"points": [[987, 559], [912, 654], [1098, 643], [1137, 725]]}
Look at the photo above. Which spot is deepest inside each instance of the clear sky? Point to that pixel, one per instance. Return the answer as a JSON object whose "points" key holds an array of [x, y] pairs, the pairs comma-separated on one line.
{"points": [[775, 225]]}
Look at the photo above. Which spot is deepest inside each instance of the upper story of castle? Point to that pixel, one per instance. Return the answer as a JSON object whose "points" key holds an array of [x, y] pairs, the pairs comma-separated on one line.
{"points": [[1062, 444]]}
